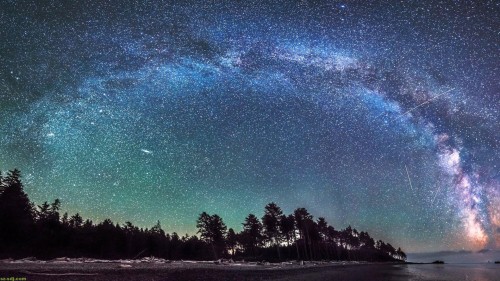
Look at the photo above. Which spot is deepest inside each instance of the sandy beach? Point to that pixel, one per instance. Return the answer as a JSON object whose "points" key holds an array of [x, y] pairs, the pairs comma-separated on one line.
{"points": [[188, 270], [159, 269]]}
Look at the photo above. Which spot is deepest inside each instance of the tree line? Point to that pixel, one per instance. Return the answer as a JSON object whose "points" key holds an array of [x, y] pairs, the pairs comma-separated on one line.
{"points": [[42, 232]]}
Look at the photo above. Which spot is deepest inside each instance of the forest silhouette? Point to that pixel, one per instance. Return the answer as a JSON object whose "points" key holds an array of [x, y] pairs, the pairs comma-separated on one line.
{"points": [[40, 231]]}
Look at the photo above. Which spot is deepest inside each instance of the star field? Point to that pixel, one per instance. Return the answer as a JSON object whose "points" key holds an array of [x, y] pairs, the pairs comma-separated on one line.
{"points": [[383, 115]]}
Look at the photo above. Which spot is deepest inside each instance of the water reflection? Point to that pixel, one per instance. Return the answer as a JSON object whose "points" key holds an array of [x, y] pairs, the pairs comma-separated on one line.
{"points": [[449, 272]]}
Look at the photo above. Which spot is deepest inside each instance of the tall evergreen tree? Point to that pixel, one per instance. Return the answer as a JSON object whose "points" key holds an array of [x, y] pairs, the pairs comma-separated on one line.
{"points": [[400, 254], [212, 230], [231, 241], [252, 233], [287, 226], [302, 222], [16, 215], [76, 220], [271, 222]]}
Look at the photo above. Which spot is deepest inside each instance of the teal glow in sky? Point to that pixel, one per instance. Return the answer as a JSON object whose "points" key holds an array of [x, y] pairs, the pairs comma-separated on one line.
{"points": [[380, 115]]}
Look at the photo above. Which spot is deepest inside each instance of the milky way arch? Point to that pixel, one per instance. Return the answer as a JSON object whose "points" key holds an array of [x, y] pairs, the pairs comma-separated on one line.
{"points": [[385, 117]]}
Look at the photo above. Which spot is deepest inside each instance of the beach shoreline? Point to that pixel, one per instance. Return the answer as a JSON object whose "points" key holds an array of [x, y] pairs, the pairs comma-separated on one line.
{"points": [[159, 269], [60, 269]]}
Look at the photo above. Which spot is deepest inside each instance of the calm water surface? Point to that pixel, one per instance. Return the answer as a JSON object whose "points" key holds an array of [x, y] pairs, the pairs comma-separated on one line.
{"points": [[445, 272]]}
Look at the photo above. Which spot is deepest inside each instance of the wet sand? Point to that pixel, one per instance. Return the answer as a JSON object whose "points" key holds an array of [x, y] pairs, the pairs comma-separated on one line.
{"points": [[195, 271]]}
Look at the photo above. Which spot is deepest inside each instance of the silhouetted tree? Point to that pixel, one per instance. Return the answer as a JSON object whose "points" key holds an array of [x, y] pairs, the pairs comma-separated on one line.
{"points": [[322, 229], [251, 236], [231, 241], [156, 229], [16, 216], [271, 222], [156, 241], [204, 229], [213, 230], [366, 241], [65, 219], [333, 241], [76, 221], [2, 185], [44, 233], [302, 222], [287, 226], [400, 254]]}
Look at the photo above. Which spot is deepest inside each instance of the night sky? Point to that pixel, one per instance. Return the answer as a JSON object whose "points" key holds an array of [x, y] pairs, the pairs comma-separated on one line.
{"points": [[384, 115]]}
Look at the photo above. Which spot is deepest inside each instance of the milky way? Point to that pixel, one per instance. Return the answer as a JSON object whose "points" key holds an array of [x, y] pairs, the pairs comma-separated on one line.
{"points": [[382, 115]]}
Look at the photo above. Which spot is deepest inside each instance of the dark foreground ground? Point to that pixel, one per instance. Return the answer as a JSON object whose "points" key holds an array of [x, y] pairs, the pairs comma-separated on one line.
{"points": [[207, 271], [115, 271]]}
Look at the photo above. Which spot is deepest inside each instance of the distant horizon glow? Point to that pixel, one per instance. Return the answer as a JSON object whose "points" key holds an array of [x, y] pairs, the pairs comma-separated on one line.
{"points": [[380, 116]]}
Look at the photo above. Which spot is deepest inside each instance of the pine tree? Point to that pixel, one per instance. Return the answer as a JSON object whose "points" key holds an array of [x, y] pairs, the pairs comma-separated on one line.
{"points": [[252, 233], [16, 215], [231, 241], [271, 222], [302, 221], [213, 231]]}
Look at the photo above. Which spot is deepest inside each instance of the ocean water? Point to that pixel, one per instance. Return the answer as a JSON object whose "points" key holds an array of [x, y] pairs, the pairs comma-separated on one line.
{"points": [[453, 272]]}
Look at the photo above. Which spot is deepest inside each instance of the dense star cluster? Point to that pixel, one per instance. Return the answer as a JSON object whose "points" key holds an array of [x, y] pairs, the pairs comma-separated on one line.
{"points": [[380, 114]]}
